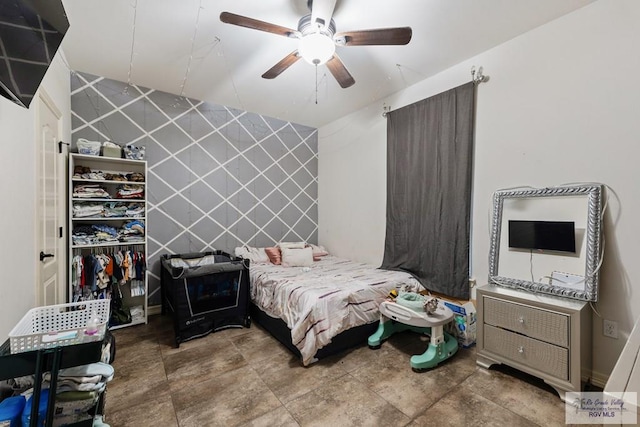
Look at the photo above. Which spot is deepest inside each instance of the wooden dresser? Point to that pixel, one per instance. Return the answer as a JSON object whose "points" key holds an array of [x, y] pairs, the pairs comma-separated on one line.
{"points": [[546, 336]]}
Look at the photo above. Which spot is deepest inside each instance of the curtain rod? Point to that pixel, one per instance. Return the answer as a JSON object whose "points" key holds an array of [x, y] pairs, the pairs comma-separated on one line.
{"points": [[476, 76]]}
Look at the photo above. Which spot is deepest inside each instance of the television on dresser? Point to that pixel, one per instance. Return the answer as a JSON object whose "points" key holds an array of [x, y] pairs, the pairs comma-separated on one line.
{"points": [[31, 32], [557, 236]]}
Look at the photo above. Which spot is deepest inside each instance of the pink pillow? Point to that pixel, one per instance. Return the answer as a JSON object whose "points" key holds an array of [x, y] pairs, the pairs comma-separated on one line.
{"points": [[274, 255], [318, 251]]}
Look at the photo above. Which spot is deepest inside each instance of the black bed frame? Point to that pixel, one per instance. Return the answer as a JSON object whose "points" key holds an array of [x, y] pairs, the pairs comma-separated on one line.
{"points": [[343, 341]]}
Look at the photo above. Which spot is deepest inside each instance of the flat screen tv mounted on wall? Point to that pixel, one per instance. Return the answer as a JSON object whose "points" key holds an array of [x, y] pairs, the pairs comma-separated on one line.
{"points": [[543, 235], [30, 34]]}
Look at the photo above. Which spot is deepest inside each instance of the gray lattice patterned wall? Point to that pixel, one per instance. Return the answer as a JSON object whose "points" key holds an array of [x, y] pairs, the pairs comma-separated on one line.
{"points": [[217, 177]]}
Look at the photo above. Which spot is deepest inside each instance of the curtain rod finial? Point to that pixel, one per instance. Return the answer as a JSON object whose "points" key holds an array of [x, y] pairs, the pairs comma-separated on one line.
{"points": [[477, 76], [385, 109]]}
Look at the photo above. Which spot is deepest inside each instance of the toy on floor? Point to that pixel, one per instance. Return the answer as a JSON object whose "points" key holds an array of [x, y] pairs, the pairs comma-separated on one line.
{"points": [[422, 314]]}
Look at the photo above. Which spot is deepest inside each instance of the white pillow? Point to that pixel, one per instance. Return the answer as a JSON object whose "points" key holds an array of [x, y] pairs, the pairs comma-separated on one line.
{"points": [[297, 257], [255, 255], [292, 245], [242, 252]]}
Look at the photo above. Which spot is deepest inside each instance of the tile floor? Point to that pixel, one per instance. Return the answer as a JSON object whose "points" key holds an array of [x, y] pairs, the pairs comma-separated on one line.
{"points": [[244, 377]]}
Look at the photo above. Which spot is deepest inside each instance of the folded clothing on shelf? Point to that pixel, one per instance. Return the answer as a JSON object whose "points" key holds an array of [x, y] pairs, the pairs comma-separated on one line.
{"points": [[130, 191], [90, 191], [96, 234], [87, 210]]}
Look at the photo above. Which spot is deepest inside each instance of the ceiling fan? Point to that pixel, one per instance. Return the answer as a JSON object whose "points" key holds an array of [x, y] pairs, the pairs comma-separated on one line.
{"points": [[318, 39]]}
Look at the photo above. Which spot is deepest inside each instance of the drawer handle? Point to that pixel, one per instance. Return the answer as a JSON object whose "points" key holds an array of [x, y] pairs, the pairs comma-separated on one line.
{"points": [[521, 349], [521, 319]]}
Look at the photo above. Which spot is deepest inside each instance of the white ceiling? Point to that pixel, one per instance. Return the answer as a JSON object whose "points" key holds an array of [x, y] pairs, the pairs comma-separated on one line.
{"points": [[181, 47]]}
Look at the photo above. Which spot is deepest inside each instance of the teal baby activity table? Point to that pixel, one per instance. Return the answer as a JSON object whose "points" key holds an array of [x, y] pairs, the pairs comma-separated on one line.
{"points": [[407, 313]]}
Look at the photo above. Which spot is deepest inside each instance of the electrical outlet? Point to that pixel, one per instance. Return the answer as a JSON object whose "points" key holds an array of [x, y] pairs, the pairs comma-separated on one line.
{"points": [[610, 329]]}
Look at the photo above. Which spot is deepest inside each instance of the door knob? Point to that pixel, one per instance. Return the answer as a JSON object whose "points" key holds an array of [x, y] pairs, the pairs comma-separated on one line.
{"points": [[43, 256]]}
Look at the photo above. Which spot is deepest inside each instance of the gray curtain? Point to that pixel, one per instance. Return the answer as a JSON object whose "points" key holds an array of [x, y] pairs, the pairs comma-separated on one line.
{"points": [[429, 172]]}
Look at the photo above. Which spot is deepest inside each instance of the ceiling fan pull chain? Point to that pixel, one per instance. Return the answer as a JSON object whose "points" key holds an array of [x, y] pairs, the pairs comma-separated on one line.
{"points": [[316, 84]]}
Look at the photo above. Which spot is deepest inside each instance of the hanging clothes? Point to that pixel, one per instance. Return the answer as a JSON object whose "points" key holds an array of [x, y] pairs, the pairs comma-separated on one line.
{"points": [[95, 275]]}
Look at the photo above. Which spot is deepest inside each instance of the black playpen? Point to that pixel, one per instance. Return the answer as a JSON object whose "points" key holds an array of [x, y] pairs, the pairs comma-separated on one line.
{"points": [[204, 292]]}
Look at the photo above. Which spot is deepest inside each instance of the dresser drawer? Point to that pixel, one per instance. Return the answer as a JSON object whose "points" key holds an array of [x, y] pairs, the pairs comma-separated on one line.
{"points": [[535, 323], [547, 358]]}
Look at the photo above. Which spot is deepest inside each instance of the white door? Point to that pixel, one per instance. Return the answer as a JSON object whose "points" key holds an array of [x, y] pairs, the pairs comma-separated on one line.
{"points": [[50, 288]]}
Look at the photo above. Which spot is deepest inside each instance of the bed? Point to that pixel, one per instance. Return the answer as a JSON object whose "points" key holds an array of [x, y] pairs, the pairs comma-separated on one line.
{"points": [[323, 308]]}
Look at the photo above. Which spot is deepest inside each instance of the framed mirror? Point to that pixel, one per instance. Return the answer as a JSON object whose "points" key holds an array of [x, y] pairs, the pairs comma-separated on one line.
{"points": [[548, 240]]}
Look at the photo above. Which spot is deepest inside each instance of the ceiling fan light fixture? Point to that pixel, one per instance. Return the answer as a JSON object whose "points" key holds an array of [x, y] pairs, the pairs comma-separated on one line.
{"points": [[317, 40], [316, 48]]}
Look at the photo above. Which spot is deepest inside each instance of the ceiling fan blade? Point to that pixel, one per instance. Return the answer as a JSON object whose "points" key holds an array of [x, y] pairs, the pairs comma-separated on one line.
{"points": [[243, 21], [285, 63], [381, 36], [322, 11], [340, 72]]}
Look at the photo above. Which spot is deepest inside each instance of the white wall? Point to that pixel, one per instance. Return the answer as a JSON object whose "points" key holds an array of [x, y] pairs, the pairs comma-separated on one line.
{"points": [[352, 181], [560, 106], [18, 252]]}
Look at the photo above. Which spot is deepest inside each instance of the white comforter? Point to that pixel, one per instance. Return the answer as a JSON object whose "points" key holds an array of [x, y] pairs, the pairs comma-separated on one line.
{"points": [[320, 301]]}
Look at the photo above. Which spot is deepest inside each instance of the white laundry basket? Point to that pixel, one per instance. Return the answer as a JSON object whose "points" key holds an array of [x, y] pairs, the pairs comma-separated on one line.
{"points": [[60, 325]]}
